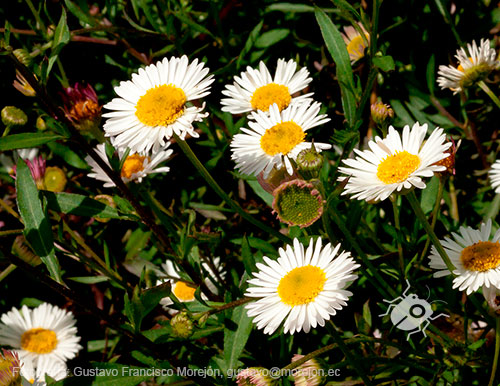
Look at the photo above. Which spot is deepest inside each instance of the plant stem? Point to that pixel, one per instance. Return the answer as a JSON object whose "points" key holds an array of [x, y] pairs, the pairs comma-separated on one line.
{"points": [[7, 271], [9, 210], [497, 351], [394, 200], [232, 304], [490, 93], [11, 232], [38, 19], [213, 184], [430, 232], [434, 215], [387, 291], [453, 198], [309, 356]]}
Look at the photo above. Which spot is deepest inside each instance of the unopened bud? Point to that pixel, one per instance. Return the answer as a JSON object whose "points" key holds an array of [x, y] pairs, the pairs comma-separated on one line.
{"points": [[21, 250], [309, 163], [382, 113], [54, 179], [40, 124], [182, 325], [23, 56], [105, 199], [12, 116]]}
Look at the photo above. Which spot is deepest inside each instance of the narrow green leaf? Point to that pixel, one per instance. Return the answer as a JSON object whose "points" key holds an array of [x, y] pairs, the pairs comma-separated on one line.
{"points": [[25, 140], [6, 34], [89, 279], [385, 63], [37, 229], [119, 375], [346, 7], [272, 37], [69, 156], [80, 205], [61, 37], [259, 190], [429, 194], [234, 341], [431, 74], [79, 13], [249, 43], [338, 50], [151, 297]]}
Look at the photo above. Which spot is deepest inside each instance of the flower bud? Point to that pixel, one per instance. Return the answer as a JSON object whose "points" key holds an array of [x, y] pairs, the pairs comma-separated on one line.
{"points": [[182, 325], [309, 163], [54, 179], [381, 113], [21, 250], [23, 86], [254, 376], [23, 56], [309, 373], [105, 199], [12, 116], [40, 124], [297, 202]]}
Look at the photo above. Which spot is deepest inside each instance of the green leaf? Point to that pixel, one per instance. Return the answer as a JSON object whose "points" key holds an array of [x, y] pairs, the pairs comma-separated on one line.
{"points": [[259, 190], [119, 375], [151, 297], [89, 279], [246, 255], [80, 205], [431, 74], [385, 63], [25, 140], [69, 156], [249, 43], [234, 341], [429, 195], [61, 37], [37, 229], [272, 37], [338, 50], [79, 13]]}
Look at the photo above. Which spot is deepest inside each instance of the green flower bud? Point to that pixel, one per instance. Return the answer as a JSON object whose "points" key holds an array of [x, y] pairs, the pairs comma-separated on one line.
{"points": [[381, 113], [40, 124], [12, 116], [105, 199], [54, 179], [182, 325], [23, 56], [309, 163], [21, 250]]}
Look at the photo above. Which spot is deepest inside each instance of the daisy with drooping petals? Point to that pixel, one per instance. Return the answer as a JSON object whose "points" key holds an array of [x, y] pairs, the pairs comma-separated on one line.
{"points": [[55, 369], [355, 43], [135, 168], [472, 67], [46, 331], [257, 90], [153, 105], [475, 255], [274, 139], [185, 291], [395, 163], [495, 176], [302, 287]]}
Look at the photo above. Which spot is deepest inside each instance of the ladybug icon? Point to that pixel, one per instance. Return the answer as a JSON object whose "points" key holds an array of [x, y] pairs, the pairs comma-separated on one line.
{"points": [[410, 313]]}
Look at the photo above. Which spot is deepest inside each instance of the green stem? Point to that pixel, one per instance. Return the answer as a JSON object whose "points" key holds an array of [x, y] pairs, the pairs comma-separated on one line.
{"points": [[213, 184], [38, 19], [430, 232], [307, 357], [434, 215], [64, 78], [233, 304], [453, 198], [490, 93], [385, 289], [7, 271], [11, 232], [354, 362], [397, 225], [497, 351], [6, 131]]}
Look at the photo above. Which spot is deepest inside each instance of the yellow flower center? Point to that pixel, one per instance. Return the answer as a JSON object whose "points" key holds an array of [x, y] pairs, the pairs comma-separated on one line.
{"points": [[271, 93], [398, 167], [282, 138], [301, 285], [184, 291], [133, 164], [357, 47], [161, 105], [481, 256], [39, 340]]}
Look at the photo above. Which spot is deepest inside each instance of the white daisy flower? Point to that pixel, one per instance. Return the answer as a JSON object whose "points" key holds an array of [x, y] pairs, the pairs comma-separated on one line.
{"points": [[55, 369], [495, 176], [275, 138], [135, 168], [475, 256], [302, 287], [44, 332], [355, 43], [394, 163], [257, 90], [472, 67], [185, 291], [153, 105]]}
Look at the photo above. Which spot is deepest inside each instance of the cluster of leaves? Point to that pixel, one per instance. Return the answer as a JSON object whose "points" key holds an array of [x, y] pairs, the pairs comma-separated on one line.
{"points": [[106, 271]]}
